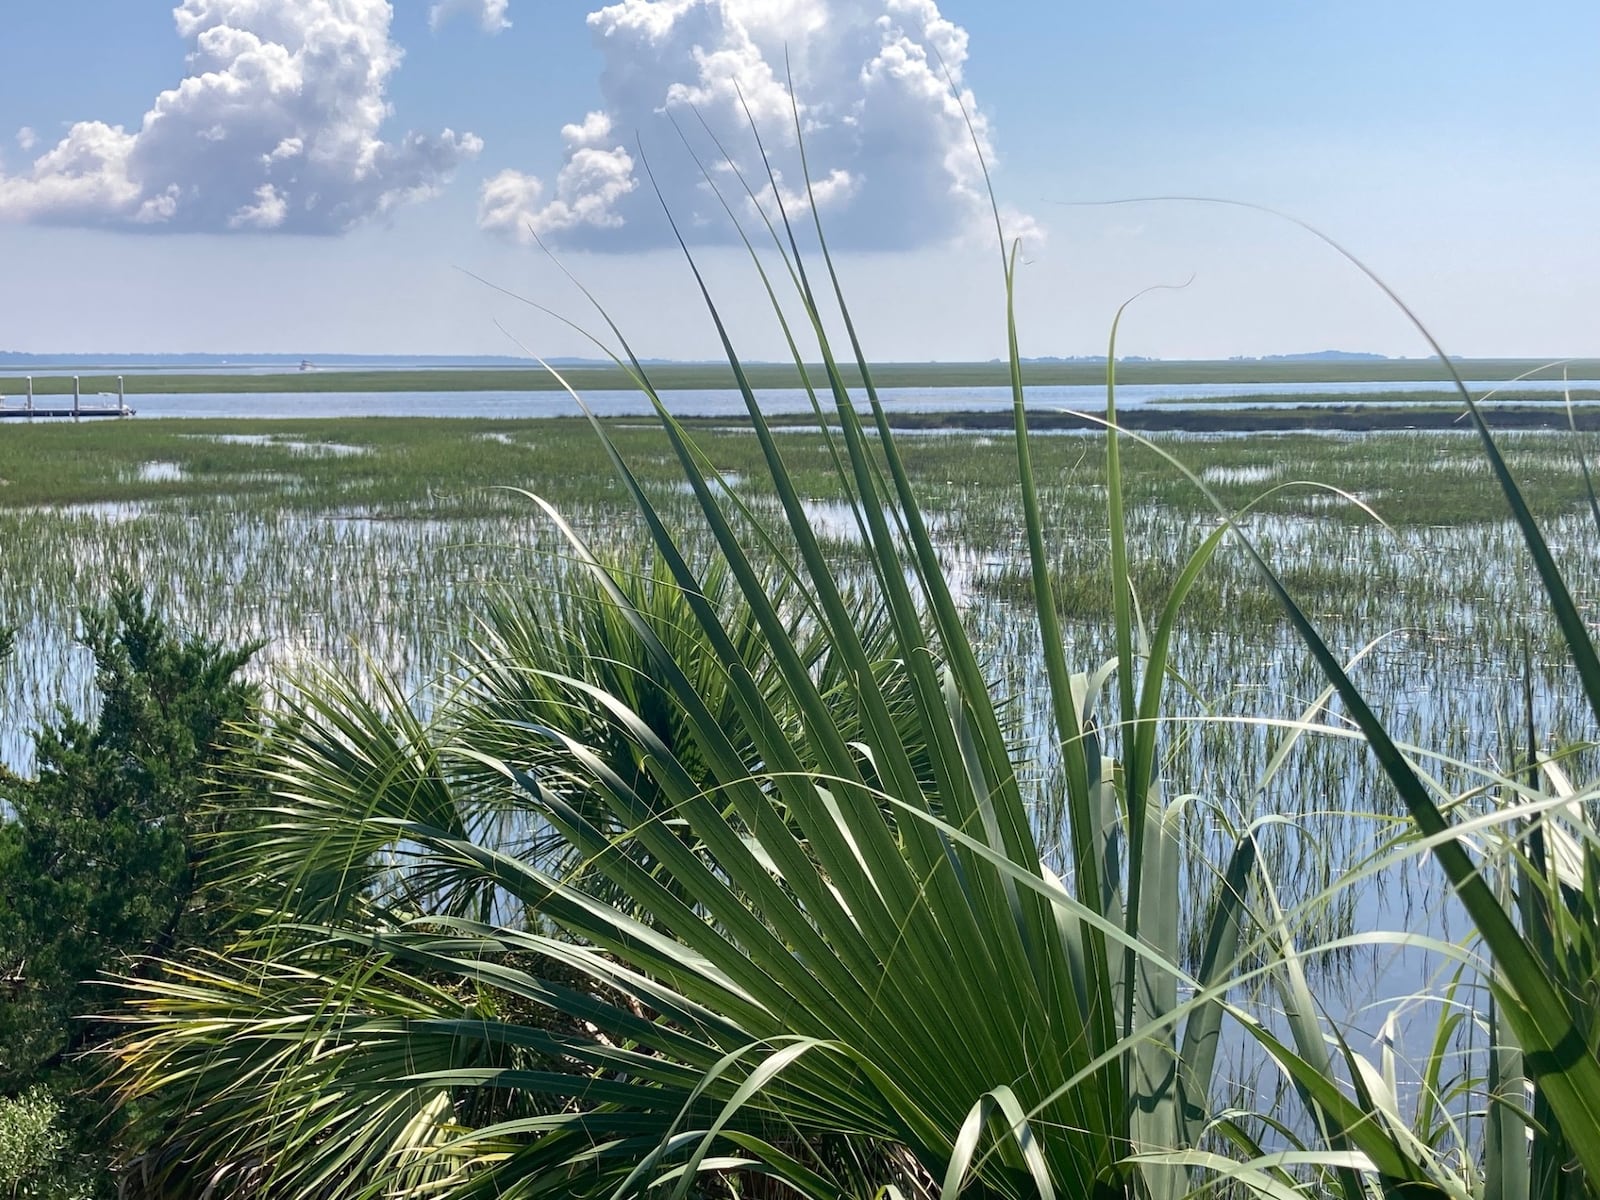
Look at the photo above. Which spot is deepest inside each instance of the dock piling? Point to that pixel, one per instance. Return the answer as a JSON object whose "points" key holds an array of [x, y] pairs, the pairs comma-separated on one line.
{"points": [[76, 397]]}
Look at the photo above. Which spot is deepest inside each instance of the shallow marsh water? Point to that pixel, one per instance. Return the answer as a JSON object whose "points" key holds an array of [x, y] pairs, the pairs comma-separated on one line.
{"points": [[369, 544]]}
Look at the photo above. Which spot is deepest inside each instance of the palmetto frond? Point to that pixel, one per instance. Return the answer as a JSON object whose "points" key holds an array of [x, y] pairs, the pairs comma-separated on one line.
{"points": [[698, 879]]}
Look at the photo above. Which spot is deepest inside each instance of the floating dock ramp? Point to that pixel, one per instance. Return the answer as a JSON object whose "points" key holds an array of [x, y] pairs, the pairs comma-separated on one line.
{"points": [[78, 410]]}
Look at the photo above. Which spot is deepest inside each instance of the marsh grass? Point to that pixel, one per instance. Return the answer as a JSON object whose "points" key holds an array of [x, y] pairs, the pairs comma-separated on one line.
{"points": [[388, 550], [1410, 479]]}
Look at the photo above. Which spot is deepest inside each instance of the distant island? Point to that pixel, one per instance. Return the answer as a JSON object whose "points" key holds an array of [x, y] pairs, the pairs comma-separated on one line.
{"points": [[1317, 356]]}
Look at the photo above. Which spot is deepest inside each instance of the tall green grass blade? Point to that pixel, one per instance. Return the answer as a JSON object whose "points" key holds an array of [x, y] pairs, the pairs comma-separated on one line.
{"points": [[1583, 459], [1002, 1101], [1506, 1168], [1203, 1029], [1560, 1055]]}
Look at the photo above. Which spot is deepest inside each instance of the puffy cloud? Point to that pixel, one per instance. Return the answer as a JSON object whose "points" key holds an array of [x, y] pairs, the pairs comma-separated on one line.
{"points": [[276, 127], [27, 139], [508, 202], [880, 91], [592, 131], [588, 188], [268, 212], [490, 14]]}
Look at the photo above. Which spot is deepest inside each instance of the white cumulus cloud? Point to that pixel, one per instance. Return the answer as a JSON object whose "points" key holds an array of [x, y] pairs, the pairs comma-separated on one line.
{"points": [[589, 186], [276, 127], [489, 14], [27, 138], [880, 91]]}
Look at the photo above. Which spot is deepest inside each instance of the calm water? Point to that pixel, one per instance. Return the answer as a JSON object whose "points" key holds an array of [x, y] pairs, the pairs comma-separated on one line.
{"points": [[727, 402]]}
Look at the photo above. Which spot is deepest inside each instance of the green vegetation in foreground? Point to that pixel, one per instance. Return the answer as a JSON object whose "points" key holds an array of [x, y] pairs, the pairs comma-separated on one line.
{"points": [[428, 473], [838, 922], [99, 868], [682, 861], [40, 1159], [795, 954], [704, 376]]}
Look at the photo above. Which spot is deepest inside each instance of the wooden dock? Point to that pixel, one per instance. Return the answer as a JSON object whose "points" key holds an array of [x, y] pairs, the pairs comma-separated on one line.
{"points": [[84, 414], [77, 411]]}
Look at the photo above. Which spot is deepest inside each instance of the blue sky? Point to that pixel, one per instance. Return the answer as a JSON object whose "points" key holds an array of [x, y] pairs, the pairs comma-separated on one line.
{"points": [[319, 175]]}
